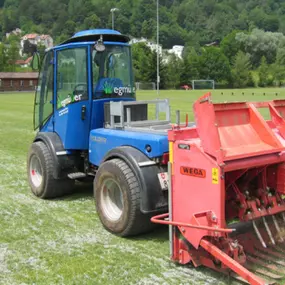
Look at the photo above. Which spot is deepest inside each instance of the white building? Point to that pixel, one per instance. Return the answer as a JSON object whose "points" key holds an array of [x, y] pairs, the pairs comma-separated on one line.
{"points": [[36, 39], [15, 32], [150, 44], [177, 50]]}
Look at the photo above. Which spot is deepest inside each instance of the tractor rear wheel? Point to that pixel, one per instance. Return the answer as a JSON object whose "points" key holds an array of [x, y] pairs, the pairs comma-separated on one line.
{"points": [[117, 196], [40, 167]]}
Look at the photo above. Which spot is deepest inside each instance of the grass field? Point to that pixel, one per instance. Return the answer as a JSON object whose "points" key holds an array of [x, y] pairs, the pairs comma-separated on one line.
{"points": [[61, 241]]}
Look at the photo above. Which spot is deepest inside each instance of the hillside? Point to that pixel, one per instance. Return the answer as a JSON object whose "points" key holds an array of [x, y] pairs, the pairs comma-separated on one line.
{"points": [[181, 21]]}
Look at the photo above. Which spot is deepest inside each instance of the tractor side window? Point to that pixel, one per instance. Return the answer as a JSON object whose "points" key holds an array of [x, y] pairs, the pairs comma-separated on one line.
{"points": [[71, 76], [44, 94]]}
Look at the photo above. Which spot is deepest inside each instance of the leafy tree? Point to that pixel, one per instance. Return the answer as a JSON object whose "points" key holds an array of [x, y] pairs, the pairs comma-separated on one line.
{"points": [[41, 50], [221, 22], [190, 67], [278, 73], [230, 46], [260, 43], [263, 72], [241, 75], [70, 27], [278, 68], [142, 62], [174, 72], [13, 55], [280, 57], [3, 58], [214, 65], [147, 28], [92, 22], [145, 65]]}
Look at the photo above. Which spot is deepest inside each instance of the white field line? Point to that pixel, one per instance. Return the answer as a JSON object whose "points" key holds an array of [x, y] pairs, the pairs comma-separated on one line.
{"points": [[4, 252]]}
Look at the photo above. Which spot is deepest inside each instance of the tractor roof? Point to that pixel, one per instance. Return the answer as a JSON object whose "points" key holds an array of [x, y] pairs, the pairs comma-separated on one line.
{"points": [[94, 35]]}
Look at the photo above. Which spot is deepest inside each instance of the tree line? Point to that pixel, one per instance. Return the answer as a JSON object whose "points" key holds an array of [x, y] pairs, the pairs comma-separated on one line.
{"points": [[186, 22], [242, 59], [249, 33]]}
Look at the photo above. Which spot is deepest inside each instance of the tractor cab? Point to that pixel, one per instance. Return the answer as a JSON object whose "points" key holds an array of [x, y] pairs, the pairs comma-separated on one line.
{"points": [[76, 79]]}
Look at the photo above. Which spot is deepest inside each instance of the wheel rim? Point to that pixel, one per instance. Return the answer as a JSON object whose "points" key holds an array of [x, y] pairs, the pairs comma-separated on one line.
{"points": [[36, 171], [112, 199]]}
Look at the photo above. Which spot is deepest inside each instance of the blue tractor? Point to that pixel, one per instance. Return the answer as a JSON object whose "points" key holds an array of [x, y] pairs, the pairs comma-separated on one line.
{"points": [[89, 125]]}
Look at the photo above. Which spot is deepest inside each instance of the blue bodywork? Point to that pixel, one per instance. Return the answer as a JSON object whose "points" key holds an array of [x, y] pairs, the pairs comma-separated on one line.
{"points": [[77, 134], [104, 140]]}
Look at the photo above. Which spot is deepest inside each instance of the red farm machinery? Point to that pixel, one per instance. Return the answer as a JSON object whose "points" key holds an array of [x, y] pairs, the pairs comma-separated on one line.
{"points": [[226, 190]]}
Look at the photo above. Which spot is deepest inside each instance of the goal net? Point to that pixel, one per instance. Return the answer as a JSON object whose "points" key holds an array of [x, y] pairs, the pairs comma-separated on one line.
{"points": [[203, 84], [145, 86]]}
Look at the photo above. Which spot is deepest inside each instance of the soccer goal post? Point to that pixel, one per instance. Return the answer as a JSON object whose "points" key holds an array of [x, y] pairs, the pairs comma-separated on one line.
{"points": [[145, 86], [203, 84]]}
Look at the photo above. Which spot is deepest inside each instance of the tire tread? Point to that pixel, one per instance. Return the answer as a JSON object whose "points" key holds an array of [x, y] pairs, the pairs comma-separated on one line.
{"points": [[138, 222], [53, 187]]}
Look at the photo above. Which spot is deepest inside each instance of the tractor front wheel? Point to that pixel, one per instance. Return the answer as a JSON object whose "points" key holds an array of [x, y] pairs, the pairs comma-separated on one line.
{"points": [[117, 195], [40, 167]]}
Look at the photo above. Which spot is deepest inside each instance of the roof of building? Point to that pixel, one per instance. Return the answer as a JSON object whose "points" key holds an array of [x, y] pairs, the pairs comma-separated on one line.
{"points": [[45, 37], [22, 61], [30, 36], [19, 75]]}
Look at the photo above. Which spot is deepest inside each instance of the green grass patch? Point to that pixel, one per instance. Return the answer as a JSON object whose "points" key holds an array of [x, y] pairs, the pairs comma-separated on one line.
{"points": [[62, 241]]}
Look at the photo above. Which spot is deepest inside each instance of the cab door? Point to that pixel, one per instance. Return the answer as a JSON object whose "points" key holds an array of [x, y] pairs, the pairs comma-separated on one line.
{"points": [[72, 97], [43, 104]]}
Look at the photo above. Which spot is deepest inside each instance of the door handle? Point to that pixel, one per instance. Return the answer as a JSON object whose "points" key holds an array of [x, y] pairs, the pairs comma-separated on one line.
{"points": [[83, 112]]}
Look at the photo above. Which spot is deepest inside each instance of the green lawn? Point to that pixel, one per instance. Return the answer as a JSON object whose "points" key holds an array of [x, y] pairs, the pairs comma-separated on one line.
{"points": [[62, 241]]}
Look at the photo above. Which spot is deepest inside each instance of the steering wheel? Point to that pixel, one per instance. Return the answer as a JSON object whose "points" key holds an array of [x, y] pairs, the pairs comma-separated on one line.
{"points": [[81, 89]]}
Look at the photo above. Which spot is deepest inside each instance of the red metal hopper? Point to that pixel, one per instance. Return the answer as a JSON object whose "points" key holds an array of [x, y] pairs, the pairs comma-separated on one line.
{"points": [[227, 180]]}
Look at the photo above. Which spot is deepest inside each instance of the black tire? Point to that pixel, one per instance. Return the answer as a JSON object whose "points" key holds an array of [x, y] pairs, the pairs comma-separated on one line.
{"points": [[131, 221], [46, 187]]}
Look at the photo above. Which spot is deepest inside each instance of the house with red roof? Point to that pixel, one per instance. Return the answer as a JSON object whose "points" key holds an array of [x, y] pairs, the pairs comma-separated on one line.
{"points": [[24, 63], [35, 40], [18, 81]]}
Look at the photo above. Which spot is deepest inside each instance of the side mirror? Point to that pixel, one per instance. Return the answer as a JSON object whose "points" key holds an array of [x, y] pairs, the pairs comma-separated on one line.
{"points": [[99, 46], [35, 64]]}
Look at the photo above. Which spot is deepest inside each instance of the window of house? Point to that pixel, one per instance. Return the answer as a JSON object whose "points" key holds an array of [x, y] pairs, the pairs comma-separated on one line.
{"points": [[11, 83], [22, 83], [31, 83]]}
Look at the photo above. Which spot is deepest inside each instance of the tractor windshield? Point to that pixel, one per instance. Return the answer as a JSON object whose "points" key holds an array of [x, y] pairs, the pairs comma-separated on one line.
{"points": [[112, 72]]}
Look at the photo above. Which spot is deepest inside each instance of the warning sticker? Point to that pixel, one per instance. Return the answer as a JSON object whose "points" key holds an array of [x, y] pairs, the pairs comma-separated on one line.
{"points": [[215, 175], [163, 180]]}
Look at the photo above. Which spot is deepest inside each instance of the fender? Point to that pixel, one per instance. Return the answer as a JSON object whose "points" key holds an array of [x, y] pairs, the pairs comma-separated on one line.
{"points": [[153, 199], [54, 144]]}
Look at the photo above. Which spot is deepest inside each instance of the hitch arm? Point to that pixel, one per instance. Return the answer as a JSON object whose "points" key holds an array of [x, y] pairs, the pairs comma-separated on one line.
{"points": [[160, 220]]}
